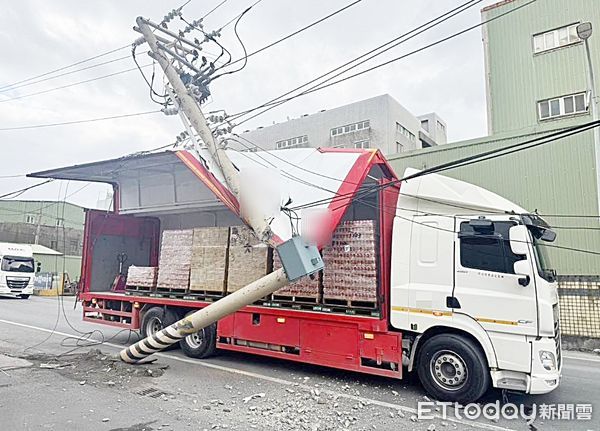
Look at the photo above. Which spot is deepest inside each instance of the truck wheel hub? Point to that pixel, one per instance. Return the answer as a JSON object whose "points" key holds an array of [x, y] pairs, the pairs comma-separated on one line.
{"points": [[196, 339], [154, 326], [448, 370]]}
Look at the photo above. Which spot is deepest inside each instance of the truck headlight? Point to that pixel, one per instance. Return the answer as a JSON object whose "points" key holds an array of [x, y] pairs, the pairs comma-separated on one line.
{"points": [[548, 360]]}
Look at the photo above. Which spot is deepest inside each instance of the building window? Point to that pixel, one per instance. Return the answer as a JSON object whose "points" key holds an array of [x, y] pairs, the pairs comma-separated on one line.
{"points": [[441, 127], [425, 125], [399, 147], [407, 133], [30, 219], [53, 244], [361, 144], [59, 222], [299, 141], [74, 244], [349, 128], [552, 39], [561, 106]]}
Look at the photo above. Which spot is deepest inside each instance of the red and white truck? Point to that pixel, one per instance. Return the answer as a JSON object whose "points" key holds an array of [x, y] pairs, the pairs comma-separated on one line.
{"points": [[465, 296]]}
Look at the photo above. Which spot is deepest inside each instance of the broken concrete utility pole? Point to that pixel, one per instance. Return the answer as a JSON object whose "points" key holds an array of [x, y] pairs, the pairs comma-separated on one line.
{"points": [[252, 216]]}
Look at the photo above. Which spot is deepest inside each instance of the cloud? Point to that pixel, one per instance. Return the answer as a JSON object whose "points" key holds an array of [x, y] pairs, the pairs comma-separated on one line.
{"points": [[40, 36]]}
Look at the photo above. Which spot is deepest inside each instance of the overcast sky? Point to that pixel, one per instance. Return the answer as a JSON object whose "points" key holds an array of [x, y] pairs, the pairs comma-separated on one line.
{"points": [[39, 36]]}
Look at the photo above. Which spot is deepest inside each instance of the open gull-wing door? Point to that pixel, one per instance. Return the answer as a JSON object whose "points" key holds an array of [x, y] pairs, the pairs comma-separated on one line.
{"points": [[180, 181]]}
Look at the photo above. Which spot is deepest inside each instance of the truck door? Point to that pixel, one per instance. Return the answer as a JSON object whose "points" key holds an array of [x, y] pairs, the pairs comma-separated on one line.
{"points": [[486, 287]]}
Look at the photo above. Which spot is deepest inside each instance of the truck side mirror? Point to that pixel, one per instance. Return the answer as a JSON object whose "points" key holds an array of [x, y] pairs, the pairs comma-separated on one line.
{"points": [[521, 268], [519, 239]]}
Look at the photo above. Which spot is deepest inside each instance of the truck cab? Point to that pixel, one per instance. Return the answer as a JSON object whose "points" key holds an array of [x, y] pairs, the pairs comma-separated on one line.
{"points": [[472, 291], [17, 270]]}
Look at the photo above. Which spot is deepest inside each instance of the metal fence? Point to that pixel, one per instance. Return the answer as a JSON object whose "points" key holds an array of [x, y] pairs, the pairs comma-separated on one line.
{"points": [[580, 305]]}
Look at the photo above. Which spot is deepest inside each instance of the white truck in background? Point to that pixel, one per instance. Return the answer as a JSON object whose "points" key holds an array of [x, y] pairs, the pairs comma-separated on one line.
{"points": [[17, 270]]}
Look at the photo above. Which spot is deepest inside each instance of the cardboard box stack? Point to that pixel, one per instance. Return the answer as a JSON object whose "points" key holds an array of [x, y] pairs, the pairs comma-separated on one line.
{"points": [[248, 258], [175, 259], [350, 263], [209, 259], [303, 288], [142, 276]]}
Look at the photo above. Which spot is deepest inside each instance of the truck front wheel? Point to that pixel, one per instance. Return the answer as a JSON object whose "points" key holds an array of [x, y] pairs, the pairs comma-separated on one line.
{"points": [[453, 368], [202, 344]]}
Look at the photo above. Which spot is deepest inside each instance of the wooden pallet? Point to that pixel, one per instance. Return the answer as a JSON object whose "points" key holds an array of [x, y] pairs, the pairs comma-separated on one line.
{"points": [[204, 295], [350, 303], [172, 289], [295, 299], [139, 288], [353, 311]]}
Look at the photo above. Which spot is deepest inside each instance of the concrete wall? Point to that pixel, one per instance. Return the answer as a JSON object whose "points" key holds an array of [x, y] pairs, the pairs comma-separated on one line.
{"points": [[383, 113], [65, 240], [52, 213]]}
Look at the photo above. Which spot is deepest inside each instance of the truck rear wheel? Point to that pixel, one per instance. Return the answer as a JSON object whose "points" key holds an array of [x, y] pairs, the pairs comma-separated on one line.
{"points": [[202, 344], [156, 319], [453, 368]]}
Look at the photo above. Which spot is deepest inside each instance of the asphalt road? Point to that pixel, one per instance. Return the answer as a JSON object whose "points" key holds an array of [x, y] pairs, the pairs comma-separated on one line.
{"points": [[213, 393]]}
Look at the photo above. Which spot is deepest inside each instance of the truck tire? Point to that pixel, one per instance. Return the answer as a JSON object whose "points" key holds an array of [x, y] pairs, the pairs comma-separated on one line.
{"points": [[24, 296], [156, 319], [202, 344], [453, 368]]}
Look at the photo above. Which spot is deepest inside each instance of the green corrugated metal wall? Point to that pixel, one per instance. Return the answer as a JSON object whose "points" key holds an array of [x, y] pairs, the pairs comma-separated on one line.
{"points": [[556, 179], [518, 78]]}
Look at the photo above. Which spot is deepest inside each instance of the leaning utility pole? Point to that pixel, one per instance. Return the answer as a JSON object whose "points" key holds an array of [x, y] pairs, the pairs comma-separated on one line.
{"points": [[159, 49]]}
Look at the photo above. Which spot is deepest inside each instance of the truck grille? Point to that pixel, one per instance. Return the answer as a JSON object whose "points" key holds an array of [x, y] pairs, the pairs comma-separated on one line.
{"points": [[17, 284], [557, 342]]}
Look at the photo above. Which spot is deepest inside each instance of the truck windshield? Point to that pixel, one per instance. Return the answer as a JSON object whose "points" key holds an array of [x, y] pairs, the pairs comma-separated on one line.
{"points": [[17, 264]]}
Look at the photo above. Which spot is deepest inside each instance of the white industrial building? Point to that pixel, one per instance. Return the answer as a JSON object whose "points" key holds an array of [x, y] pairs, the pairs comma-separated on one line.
{"points": [[379, 122]]}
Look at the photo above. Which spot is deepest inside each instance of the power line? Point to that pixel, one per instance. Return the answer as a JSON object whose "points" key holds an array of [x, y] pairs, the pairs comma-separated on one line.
{"points": [[213, 9], [397, 40], [65, 67], [276, 102], [548, 138], [239, 15], [300, 30], [67, 73], [23, 190], [89, 120], [73, 84]]}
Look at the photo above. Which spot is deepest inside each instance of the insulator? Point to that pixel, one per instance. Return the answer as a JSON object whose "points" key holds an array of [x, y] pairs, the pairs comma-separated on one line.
{"points": [[171, 110]]}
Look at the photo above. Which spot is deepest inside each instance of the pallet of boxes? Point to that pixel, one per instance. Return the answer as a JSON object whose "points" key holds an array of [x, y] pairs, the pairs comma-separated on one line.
{"points": [[208, 274], [350, 275], [175, 261]]}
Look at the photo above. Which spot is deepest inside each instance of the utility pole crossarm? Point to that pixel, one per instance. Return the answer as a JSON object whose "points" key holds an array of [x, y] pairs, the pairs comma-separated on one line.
{"points": [[252, 216]]}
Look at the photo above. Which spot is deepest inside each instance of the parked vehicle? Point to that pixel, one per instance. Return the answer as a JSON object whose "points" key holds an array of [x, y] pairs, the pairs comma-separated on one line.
{"points": [[17, 270], [465, 297]]}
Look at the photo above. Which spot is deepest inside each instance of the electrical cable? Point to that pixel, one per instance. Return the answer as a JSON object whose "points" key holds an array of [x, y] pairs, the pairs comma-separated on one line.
{"points": [[89, 120], [213, 9], [237, 16], [300, 30], [64, 67], [326, 84], [243, 48], [23, 190], [397, 40], [62, 87], [68, 73], [548, 138]]}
